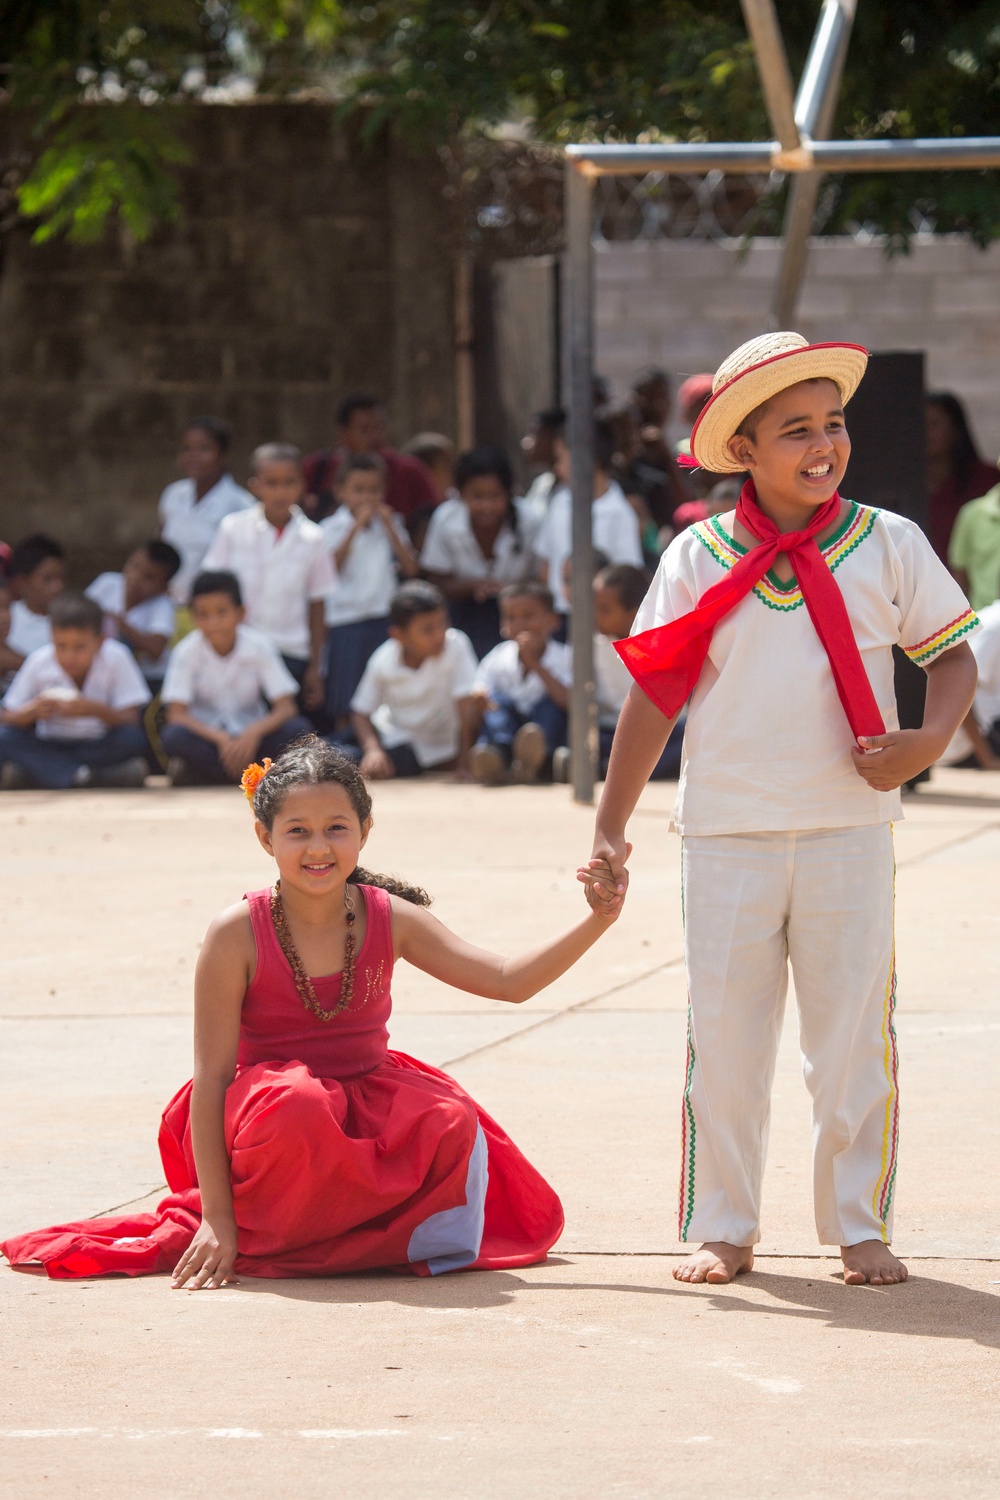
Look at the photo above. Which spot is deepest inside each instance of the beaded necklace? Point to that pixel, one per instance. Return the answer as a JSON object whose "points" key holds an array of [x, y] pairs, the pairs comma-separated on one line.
{"points": [[303, 983]]}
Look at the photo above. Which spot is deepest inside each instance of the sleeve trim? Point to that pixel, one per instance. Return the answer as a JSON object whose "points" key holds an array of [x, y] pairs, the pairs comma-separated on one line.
{"points": [[942, 639]]}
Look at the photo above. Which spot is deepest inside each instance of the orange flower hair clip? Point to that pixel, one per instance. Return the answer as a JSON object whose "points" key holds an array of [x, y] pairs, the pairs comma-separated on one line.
{"points": [[252, 778]]}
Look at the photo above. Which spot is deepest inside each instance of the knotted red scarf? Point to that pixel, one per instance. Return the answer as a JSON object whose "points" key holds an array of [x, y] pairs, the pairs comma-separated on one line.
{"points": [[666, 662]]}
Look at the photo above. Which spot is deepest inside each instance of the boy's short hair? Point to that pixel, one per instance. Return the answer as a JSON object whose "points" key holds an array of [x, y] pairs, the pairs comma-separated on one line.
{"points": [[72, 611], [482, 463], [217, 581], [31, 551], [414, 598], [360, 463], [429, 447], [359, 401], [162, 556], [628, 584], [216, 429], [529, 588], [275, 453]]}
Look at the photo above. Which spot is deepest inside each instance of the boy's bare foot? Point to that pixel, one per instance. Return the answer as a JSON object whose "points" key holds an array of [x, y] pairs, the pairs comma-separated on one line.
{"points": [[871, 1263], [716, 1262]]}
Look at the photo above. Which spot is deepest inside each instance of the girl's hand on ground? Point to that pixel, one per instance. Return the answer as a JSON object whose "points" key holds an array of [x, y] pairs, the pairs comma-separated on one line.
{"points": [[887, 761], [208, 1260]]}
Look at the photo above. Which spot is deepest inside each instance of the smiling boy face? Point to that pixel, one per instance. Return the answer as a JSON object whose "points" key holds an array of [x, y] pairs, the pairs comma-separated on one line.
{"points": [[797, 449]]}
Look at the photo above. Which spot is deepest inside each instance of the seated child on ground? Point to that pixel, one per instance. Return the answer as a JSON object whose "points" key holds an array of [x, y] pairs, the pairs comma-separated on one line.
{"points": [[413, 710], [523, 689], [9, 660], [976, 743], [138, 611], [303, 1146], [618, 593], [615, 525], [228, 694], [37, 571], [475, 545], [371, 548], [71, 717], [282, 561]]}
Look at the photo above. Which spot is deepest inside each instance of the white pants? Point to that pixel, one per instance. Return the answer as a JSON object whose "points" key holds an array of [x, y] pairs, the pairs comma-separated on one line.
{"points": [[752, 902]]}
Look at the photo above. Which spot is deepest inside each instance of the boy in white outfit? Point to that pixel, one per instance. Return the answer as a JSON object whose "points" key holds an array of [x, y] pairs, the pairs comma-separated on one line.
{"points": [[283, 564], [781, 617]]}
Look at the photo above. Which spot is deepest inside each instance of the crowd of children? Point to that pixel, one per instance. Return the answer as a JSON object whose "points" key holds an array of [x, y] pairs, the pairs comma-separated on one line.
{"points": [[412, 607]]}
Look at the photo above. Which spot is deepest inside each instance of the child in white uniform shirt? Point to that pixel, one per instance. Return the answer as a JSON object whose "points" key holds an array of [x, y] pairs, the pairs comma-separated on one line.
{"points": [[138, 611], [977, 741], [370, 547], [38, 573], [192, 508], [282, 561], [618, 593], [476, 544], [413, 710], [782, 617], [229, 696], [523, 689], [71, 715], [614, 527]]}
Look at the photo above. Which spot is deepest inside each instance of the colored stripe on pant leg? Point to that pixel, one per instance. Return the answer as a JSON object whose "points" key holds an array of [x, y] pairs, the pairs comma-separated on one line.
{"points": [[687, 1143], [882, 1199]]}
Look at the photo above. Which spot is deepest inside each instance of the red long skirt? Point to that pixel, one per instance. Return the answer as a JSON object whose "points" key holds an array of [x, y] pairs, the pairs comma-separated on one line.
{"points": [[399, 1168]]}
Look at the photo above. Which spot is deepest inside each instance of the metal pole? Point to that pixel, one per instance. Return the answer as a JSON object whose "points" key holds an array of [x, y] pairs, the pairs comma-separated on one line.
{"points": [[772, 65], [815, 104], [952, 153], [578, 387], [819, 86]]}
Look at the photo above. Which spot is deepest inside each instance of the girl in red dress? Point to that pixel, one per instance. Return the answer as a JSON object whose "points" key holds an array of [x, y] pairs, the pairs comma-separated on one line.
{"points": [[303, 1146]]}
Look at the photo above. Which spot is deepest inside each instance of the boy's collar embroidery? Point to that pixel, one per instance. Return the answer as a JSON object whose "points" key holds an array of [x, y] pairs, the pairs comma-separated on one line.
{"points": [[771, 590]]}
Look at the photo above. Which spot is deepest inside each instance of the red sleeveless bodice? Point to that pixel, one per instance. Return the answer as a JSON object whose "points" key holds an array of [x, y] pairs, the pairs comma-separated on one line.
{"points": [[275, 1026]]}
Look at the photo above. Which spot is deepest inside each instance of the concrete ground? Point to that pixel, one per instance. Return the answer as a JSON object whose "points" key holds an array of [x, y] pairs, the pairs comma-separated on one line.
{"points": [[585, 1377]]}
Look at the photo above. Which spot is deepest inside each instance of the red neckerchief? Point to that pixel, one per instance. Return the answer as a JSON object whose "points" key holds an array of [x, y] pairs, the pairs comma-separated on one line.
{"points": [[666, 662]]}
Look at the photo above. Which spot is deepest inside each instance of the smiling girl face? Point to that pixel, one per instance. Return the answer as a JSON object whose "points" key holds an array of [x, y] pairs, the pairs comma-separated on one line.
{"points": [[315, 838]]}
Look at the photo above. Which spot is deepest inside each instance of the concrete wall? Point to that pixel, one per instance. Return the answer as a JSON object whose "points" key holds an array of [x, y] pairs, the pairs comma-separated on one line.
{"points": [[685, 306], [306, 266]]}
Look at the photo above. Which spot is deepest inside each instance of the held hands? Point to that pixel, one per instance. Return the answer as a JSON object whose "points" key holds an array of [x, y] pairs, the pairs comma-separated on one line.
{"points": [[605, 877], [208, 1260], [887, 761]]}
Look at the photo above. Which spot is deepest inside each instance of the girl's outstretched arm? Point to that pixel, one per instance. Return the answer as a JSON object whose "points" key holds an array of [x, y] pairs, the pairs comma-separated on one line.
{"points": [[429, 945], [224, 970]]}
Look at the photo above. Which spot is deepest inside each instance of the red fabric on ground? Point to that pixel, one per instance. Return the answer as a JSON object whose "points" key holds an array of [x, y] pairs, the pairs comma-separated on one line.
{"points": [[328, 1177], [333, 1166]]}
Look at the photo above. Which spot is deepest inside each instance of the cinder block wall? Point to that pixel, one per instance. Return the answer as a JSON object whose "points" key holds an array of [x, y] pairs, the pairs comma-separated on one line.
{"points": [[684, 306], [306, 265]]}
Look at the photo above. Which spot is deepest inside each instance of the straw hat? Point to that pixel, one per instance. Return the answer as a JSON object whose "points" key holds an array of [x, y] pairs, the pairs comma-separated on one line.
{"points": [[755, 372]]}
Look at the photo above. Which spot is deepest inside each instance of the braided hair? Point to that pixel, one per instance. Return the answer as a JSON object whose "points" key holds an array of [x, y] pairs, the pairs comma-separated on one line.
{"points": [[310, 761]]}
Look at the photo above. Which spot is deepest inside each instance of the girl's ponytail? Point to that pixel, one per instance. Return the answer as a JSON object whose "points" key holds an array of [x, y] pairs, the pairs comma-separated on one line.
{"points": [[414, 893]]}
